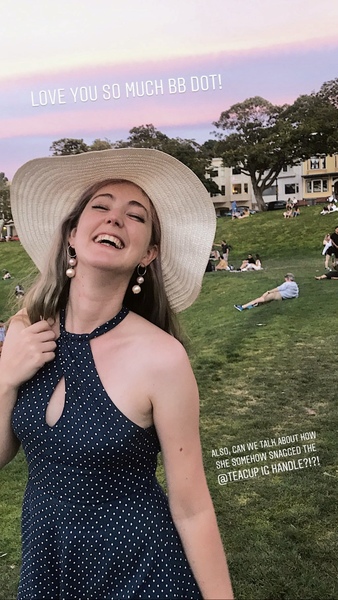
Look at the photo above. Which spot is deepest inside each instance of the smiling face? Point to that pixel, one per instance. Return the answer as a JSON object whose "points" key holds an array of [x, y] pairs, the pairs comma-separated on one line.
{"points": [[115, 229]]}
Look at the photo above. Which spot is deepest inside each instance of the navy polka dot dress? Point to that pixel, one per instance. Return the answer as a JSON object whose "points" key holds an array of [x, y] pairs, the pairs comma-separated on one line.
{"points": [[95, 524]]}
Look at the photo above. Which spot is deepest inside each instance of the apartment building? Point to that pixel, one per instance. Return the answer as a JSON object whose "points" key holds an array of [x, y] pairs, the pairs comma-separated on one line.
{"points": [[233, 185], [320, 178], [288, 185], [309, 183]]}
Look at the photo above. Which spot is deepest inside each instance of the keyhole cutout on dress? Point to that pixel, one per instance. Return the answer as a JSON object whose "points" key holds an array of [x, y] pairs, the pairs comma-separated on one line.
{"points": [[56, 404]]}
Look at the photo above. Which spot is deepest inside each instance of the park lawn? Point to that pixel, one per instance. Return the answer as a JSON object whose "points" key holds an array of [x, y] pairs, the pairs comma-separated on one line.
{"points": [[262, 374]]}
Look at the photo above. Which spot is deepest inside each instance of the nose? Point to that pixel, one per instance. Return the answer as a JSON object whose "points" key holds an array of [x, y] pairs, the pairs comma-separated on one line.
{"points": [[115, 217]]}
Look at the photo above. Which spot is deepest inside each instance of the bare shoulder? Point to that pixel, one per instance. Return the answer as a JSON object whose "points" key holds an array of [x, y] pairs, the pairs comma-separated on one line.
{"points": [[19, 321], [166, 351]]}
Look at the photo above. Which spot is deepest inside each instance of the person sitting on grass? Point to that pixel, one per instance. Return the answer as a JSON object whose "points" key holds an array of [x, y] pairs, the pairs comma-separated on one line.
{"points": [[253, 266], [330, 275], [246, 213], [287, 290], [222, 265], [246, 262], [19, 291]]}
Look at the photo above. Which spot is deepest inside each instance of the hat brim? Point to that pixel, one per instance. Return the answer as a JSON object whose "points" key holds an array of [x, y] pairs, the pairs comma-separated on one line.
{"points": [[44, 191]]}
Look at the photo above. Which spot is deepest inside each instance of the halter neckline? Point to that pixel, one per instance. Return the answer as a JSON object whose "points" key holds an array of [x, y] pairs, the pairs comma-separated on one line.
{"points": [[101, 329]]}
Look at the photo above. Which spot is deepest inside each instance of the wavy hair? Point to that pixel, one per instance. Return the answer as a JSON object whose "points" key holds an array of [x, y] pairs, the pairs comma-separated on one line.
{"points": [[51, 290]]}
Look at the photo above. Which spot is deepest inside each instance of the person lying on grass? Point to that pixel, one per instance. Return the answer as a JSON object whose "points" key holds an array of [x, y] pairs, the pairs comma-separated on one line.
{"points": [[287, 290], [330, 275]]}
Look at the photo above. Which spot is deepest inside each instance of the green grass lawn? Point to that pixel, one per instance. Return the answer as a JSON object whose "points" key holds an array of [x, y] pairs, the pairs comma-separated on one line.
{"points": [[263, 374]]}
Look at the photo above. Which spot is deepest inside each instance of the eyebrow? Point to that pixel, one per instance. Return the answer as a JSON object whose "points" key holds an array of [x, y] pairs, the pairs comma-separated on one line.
{"points": [[112, 197]]}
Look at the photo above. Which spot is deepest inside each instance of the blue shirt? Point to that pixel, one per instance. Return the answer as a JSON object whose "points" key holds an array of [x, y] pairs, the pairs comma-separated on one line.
{"points": [[288, 289]]}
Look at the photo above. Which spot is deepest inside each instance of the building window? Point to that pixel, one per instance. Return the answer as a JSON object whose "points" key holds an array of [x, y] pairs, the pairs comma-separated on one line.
{"points": [[318, 162], [285, 168], [316, 186], [223, 190], [236, 188], [246, 188], [271, 191], [236, 170], [291, 188], [314, 163]]}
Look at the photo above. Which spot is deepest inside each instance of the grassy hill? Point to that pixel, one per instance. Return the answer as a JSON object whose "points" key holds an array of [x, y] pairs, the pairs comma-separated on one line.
{"points": [[267, 383]]}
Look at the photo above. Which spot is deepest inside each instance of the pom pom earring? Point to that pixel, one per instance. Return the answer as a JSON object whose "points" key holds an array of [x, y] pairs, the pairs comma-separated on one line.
{"points": [[140, 279], [72, 262]]}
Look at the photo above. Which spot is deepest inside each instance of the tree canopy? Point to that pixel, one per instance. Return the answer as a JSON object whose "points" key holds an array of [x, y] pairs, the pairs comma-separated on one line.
{"points": [[329, 92], [99, 145], [192, 154], [5, 208], [67, 146]]}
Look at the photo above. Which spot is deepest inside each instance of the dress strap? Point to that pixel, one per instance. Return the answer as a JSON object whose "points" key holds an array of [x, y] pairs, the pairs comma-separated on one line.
{"points": [[107, 326], [110, 324]]}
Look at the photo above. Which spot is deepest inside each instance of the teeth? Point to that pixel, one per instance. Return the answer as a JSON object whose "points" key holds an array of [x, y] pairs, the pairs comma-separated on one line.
{"points": [[110, 240]]}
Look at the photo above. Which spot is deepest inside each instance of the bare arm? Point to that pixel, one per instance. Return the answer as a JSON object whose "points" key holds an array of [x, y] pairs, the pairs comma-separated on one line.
{"points": [[176, 416], [26, 349]]}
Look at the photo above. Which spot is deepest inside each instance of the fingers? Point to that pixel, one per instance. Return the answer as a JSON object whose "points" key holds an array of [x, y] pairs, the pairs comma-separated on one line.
{"points": [[42, 325], [40, 331], [26, 350]]}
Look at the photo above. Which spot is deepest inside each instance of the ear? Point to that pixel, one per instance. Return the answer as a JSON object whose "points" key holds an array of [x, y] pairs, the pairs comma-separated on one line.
{"points": [[151, 254], [72, 235]]}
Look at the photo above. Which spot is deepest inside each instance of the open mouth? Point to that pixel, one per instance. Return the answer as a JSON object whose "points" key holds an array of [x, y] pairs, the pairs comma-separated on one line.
{"points": [[109, 240]]}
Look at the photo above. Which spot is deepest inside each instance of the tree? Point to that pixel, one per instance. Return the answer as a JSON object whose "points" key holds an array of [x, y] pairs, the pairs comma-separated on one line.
{"points": [[314, 121], [144, 136], [67, 146], [99, 145], [329, 92], [5, 207], [266, 137], [193, 155], [258, 145], [189, 152]]}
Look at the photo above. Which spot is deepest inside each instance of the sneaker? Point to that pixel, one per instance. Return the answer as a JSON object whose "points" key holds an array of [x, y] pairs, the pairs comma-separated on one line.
{"points": [[239, 307]]}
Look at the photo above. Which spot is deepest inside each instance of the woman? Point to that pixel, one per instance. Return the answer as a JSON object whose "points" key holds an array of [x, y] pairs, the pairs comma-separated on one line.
{"points": [[248, 264], [327, 251], [94, 383], [258, 263], [330, 275]]}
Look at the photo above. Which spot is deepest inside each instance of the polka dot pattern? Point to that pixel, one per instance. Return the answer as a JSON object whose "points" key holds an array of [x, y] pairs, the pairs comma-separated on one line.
{"points": [[95, 524]]}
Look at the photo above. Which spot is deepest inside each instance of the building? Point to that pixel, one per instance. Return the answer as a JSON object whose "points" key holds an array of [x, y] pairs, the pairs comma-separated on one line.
{"points": [[232, 184], [320, 178], [289, 185], [7, 230], [310, 182]]}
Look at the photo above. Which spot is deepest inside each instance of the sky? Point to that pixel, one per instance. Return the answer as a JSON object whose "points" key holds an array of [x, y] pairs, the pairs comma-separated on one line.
{"points": [[95, 70]]}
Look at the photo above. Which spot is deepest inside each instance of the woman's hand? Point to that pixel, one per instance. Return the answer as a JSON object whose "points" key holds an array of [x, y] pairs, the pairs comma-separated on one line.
{"points": [[26, 349]]}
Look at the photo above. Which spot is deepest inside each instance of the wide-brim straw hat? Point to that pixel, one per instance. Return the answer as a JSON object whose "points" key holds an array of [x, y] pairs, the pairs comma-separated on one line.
{"points": [[44, 191]]}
